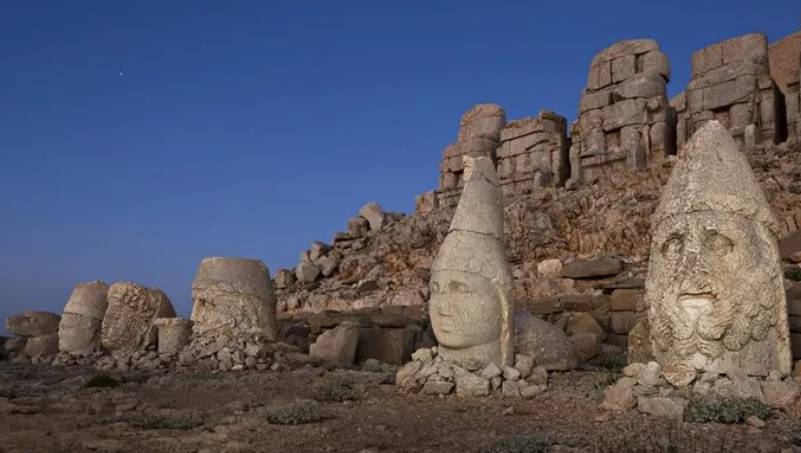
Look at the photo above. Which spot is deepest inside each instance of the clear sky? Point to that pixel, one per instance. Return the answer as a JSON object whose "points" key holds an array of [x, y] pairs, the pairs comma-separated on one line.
{"points": [[138, 137]]}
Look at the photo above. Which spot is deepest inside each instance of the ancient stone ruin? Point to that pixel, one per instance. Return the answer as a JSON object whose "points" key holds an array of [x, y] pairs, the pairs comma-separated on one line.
{"points": [[479, 135], [471, 306], [533, 153], [82, 320], [731, 83], [706, 312], [233, 297], [129, 324], [625, 117]]}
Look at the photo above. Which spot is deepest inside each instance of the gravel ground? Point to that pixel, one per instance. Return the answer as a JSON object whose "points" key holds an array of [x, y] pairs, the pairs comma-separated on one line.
{"points": [[52, 409]]}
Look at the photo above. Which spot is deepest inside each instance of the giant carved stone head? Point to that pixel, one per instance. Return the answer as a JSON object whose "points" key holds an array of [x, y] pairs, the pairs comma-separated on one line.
{"points": [[714, 287], [470, 304]]}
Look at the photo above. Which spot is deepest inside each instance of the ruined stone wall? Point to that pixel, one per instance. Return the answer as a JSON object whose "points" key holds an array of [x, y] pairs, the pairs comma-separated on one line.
{"points": [[624, 115], [731, 83], [533, 154], [479, 135]]}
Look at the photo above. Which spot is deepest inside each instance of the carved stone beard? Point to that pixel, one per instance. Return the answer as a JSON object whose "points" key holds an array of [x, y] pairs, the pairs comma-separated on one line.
{"points": [[711, 286]]}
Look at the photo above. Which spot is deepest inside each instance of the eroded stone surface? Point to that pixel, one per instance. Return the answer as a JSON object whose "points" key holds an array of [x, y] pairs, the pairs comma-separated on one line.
{"points": [[712, 222], [470, 305], [233, 297], [33, 323], [82, 320], [173, 334], [129, 322]]}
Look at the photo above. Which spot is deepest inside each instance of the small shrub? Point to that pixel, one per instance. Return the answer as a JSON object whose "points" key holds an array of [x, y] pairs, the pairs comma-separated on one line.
{"points": [[296, 413], [102, 381], [727, 412], [151, 421], [604, 379], [793, 273], [337, 388], [613, 363], [518, 444]]}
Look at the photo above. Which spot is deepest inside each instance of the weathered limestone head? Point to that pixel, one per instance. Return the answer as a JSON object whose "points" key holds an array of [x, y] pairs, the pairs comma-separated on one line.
{"points": [[129, 324], [79, 329], [233, 297], [714, 287], [471, 282], [33, 323]]}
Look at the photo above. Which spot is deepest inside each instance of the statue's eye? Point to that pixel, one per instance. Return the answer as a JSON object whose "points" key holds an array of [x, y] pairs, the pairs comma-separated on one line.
{"points": [[717, 243], [673, 246], [458, 287]]}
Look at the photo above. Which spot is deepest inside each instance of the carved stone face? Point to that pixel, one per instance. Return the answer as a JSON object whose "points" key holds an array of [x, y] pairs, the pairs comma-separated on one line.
{"points": [[465, 309], [78, 333], [712, 286]]}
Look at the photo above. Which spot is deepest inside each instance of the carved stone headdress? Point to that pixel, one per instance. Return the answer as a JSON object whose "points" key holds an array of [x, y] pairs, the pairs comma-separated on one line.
{"points": [[711, 174]]}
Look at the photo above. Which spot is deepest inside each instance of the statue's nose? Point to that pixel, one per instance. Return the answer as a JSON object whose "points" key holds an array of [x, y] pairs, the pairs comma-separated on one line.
{"points": [[696, 275]]}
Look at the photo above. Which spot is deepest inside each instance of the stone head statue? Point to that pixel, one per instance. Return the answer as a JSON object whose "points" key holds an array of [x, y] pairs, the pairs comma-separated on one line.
{"points": [[79, 329], [470, 304], [715, 286]]}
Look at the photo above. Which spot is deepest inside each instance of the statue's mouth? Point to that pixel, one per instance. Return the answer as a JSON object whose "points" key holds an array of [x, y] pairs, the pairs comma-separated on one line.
{"points": [[699, 302]]}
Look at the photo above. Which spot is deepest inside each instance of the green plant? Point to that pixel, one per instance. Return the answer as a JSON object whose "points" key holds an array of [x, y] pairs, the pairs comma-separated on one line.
{"points": [[295, 413], [613, 363], [336, 387], [728, 412], [518, 444], [150, 421], [102, 381], [793, 273], [604, 379]]}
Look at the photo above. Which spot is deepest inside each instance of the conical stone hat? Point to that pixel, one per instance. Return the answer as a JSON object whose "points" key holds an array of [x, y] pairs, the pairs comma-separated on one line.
{"points": [[474, 240], [712, 174]]}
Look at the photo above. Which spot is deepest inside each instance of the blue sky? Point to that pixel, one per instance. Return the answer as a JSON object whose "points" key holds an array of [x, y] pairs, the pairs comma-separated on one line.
{"points": [[138, 137]]}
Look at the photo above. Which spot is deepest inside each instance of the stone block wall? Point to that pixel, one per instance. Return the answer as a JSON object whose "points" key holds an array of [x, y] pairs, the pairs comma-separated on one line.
{"points": [[479, 135], [731, 83], [533, 153], [624, 113]]}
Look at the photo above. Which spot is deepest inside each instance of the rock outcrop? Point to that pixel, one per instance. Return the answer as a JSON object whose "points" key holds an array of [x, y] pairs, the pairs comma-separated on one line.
{"points": [[625, 116], [731, 83]]}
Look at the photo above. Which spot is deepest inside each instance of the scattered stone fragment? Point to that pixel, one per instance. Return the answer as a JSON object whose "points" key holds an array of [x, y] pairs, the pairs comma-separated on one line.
{"points": [[469, 384], [545, 343], [619, 396], [666, 407]]}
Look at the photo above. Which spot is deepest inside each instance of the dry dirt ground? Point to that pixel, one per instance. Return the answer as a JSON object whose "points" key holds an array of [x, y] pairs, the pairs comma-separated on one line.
{"points": [[52, 409]]}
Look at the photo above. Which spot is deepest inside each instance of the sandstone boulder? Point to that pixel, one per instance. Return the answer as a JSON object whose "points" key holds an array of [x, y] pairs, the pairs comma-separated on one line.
{"points": [[374, 214], [602, 266]]}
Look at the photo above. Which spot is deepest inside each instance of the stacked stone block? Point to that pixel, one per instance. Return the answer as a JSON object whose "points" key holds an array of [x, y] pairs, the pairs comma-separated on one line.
{"points": [[731, 83], [479, 134], [533, 153], [624, 115], [626, 309]]}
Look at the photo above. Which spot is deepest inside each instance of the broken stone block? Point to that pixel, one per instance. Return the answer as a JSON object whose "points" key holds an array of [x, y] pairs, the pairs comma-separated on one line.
{"points": [[469, 384], [233, 297], [665, 407], [545, 343], [387, 345], [307, 272], [603, 266], [173, 334], [374, 215], [132, 310], [337, 346], [42, 345]]}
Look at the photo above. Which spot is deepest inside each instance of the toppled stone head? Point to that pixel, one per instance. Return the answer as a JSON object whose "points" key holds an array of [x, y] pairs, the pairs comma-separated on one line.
{"points": [[470, 304], [233, 297], [79, 329], [714, 287], [129, 324]]}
